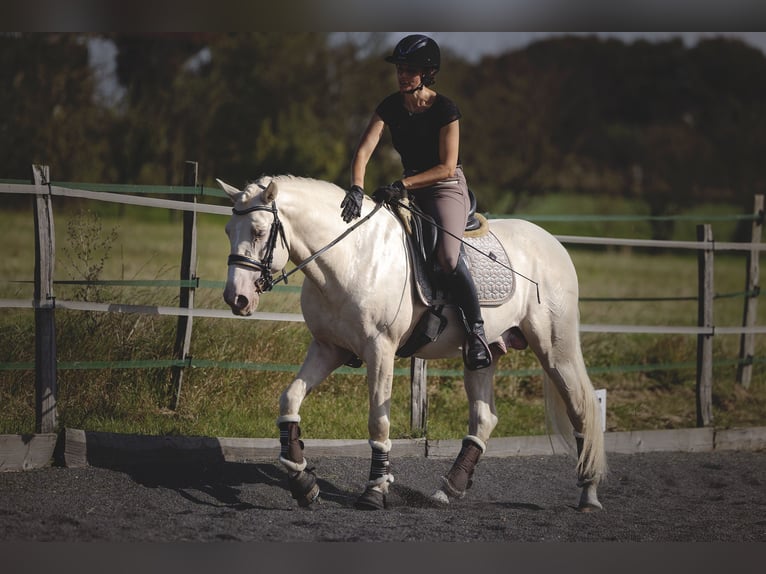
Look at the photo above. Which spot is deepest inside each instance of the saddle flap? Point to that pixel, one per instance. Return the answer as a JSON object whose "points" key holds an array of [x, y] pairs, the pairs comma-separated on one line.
{"points": [[427, 330]]}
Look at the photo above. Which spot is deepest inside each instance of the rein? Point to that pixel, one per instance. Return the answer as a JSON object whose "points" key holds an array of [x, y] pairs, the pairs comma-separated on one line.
{"points": [[414, 210], [266, 282]]}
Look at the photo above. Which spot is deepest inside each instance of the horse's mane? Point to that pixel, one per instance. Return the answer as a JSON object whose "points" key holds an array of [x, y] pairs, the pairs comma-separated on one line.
{"points": [[253, 188]]}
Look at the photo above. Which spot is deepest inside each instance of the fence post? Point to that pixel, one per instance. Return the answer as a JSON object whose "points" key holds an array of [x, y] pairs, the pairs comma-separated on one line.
{"points": [[188, 273], [419, 406], [752, 288], [705, 319], [46, 384]]}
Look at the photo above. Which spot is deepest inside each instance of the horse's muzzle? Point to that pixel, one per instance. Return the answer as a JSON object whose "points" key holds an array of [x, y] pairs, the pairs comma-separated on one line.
{"points": [[240, 304]]}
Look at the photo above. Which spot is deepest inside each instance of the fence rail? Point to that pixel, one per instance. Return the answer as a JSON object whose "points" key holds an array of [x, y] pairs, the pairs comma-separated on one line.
{"points": [[298, 318], [44, 302]]}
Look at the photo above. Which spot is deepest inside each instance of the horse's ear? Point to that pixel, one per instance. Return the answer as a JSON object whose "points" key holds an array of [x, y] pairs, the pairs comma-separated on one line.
{"points": [[230, 190], [271, 192]]}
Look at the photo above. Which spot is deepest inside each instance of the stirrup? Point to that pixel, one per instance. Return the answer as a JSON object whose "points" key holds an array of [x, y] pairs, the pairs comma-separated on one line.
{"points": [[472, 353]]}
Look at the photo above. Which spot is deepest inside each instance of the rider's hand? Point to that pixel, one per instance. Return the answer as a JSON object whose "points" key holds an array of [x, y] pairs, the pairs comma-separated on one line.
{"points": [[352, 203], [391, 192]]}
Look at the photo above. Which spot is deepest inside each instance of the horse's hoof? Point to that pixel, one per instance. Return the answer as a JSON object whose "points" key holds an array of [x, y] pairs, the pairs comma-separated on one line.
{"points": [[440, 497], [304, 488], [449, 490], [590, 507], [370, 499], [589, 499]]}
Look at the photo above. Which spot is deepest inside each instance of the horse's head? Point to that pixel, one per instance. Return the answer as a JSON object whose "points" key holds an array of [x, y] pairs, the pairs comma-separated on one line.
{"points": [[258, 246]]}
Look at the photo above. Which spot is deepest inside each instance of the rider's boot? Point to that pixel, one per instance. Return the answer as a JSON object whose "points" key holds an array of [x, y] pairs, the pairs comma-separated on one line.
{"points": [[476, 352]]}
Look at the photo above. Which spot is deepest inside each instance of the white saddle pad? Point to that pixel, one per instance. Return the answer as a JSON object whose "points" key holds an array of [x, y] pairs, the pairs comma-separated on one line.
{"points": [[493, 275]]}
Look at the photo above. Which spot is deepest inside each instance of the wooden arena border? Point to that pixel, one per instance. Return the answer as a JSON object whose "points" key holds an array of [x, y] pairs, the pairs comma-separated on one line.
{"points": [[77, 448]]}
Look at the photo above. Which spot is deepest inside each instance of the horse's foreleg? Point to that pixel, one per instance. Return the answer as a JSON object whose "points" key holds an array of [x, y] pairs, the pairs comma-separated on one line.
{"points": [[320, 361], [374, 495], [481, 423], [302, 482], [380, 380]]}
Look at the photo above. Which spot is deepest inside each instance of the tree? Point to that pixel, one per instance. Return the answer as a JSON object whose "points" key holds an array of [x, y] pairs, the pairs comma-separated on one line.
{"points": [[50, 114], [270, 106], [149, 133]]}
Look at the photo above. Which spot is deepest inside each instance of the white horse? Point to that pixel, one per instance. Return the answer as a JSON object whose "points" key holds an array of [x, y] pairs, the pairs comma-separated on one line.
{"points": [[358, 299]]}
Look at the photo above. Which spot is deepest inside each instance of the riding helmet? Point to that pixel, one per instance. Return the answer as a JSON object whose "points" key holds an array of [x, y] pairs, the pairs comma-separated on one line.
{"points": [[416, 50]]}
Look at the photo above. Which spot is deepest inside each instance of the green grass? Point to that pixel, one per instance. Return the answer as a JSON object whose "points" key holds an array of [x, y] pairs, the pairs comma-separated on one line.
{"points": [[642, 393]]}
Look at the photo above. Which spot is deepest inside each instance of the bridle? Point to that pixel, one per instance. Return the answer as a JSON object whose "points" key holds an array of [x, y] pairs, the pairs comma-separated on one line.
{"points": [[266, 281]]}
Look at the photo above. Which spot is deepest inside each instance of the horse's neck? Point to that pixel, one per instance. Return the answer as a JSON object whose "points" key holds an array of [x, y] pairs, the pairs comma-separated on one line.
{"points": [[310, 222], [315, 222]]}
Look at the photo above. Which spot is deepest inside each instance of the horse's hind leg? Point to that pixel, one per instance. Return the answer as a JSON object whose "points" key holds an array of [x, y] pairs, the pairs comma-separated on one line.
{"points": [[565, 368], [321, 360], [482, 421]]}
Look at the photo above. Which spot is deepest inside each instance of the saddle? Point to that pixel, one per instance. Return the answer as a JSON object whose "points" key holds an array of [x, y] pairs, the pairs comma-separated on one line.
{"points": [[494, 283]]}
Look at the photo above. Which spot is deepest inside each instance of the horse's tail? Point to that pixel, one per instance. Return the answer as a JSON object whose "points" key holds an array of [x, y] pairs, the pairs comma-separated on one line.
{"points": [[591, 460]]}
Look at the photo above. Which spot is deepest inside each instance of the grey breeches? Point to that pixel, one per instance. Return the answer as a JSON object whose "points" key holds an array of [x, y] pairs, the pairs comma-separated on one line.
{"points": [[448, 203]]}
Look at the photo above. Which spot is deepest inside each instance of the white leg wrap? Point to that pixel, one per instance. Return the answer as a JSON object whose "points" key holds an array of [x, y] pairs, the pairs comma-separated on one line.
{"points": [[477, 441], [288, 419], [385, 479], [381, 446], [294, 466]]}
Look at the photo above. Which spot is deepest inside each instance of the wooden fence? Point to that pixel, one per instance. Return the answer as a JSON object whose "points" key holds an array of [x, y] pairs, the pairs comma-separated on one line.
{"points": [[45, 303]]}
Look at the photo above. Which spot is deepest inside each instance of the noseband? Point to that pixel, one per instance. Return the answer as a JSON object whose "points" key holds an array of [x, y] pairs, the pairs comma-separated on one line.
{"points": [[266, 281]]}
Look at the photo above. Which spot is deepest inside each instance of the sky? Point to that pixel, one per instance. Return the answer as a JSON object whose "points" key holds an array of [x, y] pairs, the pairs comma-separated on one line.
{"points": [[474, 45]]}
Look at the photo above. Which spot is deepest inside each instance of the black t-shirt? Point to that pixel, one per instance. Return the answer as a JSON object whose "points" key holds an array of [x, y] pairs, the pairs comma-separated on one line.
{"points": [[416, 136]]}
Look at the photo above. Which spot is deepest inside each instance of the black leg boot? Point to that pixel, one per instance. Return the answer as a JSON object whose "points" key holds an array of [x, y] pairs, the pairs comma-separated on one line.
{"points": [[476, 353], [301, 481]]}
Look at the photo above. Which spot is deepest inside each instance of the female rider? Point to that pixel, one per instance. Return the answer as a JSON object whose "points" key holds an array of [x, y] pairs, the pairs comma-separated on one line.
{"points": [[424, 129]]}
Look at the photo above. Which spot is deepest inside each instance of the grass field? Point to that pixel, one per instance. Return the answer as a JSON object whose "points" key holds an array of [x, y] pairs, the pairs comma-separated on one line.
{"points": [[650, 379]]}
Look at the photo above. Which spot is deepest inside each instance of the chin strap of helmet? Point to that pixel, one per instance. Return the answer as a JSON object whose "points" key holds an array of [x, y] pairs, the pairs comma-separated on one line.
{"points": [[413, 90], [426, 79]]}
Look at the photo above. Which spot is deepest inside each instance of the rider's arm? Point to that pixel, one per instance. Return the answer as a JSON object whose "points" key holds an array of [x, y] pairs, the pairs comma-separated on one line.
{"points": [[367, 145], [449, 145]]}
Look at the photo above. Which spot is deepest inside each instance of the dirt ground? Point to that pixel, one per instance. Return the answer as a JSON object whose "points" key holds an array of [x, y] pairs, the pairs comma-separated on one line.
{"points": [[649, 497]]}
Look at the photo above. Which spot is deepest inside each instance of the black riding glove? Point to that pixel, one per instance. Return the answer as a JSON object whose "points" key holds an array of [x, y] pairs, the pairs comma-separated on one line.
{"points": [[352, 203], [389, 193]]}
